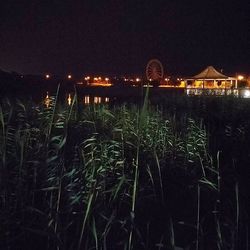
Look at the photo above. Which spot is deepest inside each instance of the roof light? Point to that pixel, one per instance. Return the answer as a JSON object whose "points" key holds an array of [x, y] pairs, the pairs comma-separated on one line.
{"points": [[240, 77]]}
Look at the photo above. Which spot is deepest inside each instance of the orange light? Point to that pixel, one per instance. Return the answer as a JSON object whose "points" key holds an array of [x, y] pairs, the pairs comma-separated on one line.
{"points": [[240, 77], [47, 100], [69, 99], [105, 84]]}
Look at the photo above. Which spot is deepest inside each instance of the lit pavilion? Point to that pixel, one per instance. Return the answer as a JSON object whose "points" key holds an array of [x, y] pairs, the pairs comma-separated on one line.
{"points": [[212, 80]]}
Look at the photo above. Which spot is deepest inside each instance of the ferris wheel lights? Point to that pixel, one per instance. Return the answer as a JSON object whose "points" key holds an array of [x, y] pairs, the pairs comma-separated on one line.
{"points": [[154, 70]]}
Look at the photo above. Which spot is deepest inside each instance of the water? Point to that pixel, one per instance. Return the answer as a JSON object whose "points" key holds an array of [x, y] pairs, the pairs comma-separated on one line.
{"points": [[86, 99], [157, 95]]}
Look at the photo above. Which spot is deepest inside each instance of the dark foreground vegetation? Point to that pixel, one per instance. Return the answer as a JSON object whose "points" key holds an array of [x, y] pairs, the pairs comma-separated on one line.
{"points": [[126, 176]]}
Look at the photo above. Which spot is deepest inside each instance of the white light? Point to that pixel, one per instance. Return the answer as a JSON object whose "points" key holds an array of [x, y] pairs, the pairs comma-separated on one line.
{"points": [[97, 99], [247, 94], [86, 99], [47, 76], [69, 76]]}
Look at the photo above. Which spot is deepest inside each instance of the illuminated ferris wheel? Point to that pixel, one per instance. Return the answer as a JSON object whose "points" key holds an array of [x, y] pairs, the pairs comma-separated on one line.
{"points": [[154, 70]]}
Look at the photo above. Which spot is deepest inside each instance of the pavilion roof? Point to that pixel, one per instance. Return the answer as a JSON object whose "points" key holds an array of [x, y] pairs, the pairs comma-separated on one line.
{"points": [[210, 73]]}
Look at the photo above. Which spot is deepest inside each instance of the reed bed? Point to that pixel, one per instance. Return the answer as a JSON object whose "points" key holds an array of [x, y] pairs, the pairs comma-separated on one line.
{"points": [[123, 177]]}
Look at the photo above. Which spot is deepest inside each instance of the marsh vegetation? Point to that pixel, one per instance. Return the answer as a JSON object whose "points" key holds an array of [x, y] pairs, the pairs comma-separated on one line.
{"points": [[125, 176]]}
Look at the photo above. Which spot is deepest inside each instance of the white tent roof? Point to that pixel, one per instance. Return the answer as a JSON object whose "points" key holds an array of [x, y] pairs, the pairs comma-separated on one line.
{"points": [[210, 73]]}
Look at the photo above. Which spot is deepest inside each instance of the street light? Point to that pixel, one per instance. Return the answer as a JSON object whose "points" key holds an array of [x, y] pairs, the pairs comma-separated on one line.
{"points": [[69, 76], [47, 76]]}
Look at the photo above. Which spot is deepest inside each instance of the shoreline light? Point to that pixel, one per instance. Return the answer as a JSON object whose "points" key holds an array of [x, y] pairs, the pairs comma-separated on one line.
{"points": [[247, 93]]}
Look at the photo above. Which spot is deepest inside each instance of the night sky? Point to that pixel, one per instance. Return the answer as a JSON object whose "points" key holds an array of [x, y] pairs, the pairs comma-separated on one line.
{"points": [[119, 37]]}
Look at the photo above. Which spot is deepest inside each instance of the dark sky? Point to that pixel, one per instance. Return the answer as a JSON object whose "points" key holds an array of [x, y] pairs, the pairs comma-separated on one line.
{"points": [[119, 37]]}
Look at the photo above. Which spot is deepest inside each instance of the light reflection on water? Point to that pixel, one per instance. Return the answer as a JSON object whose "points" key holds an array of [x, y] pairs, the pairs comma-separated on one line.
{"points": [[47, 100], [69, 99], [95, 99], [87, 99]]}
